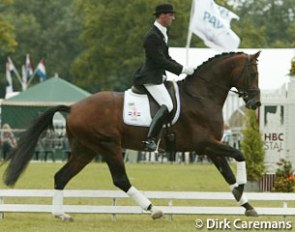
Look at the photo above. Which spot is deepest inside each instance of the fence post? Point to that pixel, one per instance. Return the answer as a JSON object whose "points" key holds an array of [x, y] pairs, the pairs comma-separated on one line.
{"points": [[285, 205], [114, 216], [170, 203], [1, 213]]}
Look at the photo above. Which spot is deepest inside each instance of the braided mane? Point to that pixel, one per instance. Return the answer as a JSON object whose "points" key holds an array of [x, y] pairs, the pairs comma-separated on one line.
{"points": [[218, 56]]}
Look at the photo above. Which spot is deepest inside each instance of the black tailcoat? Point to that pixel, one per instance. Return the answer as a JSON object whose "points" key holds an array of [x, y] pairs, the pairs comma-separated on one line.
{"points": [[157, 60]]}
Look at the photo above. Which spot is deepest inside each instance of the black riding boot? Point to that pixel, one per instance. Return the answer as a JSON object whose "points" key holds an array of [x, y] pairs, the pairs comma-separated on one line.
{"points": [[155, 128]]}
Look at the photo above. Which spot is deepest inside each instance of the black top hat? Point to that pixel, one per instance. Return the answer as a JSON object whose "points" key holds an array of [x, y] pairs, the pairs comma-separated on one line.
{"points": [[163, 8]]}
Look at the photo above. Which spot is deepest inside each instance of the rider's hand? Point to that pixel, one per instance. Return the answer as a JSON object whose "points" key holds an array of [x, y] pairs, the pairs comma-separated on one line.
{"points": [[188, 70]]}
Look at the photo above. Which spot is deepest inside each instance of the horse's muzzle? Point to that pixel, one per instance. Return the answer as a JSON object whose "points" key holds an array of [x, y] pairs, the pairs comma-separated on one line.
{"points": [[253, 104], [252, 98]]}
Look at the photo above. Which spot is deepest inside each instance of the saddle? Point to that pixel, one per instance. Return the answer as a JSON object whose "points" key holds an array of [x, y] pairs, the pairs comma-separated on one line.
{"points": [[140, 107], [154, 106]]}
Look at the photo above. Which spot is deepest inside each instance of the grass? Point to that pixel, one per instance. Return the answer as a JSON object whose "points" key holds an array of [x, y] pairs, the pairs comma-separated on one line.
{"points": [[157, 177]]}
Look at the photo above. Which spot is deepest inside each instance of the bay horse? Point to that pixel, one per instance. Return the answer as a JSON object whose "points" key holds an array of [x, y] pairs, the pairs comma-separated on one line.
{"points": [[95, 126]]}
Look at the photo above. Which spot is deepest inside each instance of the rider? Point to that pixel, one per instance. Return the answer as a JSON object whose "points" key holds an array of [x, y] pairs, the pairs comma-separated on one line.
{"points": [[152, 73]]}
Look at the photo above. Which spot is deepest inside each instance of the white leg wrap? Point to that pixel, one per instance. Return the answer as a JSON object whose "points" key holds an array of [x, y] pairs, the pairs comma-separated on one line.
{"points": [[232, 186], [139, 198], [241, 172], [243, 200], [57, 202]]}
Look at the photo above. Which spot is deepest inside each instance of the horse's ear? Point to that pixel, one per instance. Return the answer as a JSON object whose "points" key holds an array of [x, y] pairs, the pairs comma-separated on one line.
{"points": [[256, 55]]}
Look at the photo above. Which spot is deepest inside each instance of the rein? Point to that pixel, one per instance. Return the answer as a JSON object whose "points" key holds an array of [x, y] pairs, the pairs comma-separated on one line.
{"points": [[240, 93]]}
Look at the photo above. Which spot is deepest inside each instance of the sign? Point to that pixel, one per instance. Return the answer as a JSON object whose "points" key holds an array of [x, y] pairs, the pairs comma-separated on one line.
{"points": [[273, 134]]}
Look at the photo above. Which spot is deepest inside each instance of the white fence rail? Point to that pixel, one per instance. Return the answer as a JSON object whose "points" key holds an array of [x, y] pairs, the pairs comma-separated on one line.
{"points": [[169, 209]]}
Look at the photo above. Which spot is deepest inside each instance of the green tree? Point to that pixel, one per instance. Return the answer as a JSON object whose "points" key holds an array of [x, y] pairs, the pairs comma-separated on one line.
{"points": [[8, 41], [252, 146], [112, 39], [7, 37], [270, 18], [49, 31], [251, 34]]}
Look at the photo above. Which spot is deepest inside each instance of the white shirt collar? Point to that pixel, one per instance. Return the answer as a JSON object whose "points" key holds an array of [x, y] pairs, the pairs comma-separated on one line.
{"points": [[162, 29]]}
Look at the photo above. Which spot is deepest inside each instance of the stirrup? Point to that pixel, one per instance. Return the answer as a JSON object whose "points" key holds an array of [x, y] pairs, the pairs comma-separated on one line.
{"points": [[157, 150], [150, 145]]}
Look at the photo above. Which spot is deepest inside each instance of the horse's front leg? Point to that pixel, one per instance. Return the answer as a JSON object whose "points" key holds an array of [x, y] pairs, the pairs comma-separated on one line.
{"points": [[218, 154]]}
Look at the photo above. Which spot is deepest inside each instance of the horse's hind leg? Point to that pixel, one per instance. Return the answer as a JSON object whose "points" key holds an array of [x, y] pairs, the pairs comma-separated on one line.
{"points": [[80, 157], [120, 179]]}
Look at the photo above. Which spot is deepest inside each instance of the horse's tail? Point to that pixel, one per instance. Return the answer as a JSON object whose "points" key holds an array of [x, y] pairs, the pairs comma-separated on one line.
{"points": [[23, 152]]}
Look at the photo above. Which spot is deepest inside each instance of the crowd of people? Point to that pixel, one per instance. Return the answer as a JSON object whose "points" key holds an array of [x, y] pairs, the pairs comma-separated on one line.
{"points": [[7, 140], [51, 145]]}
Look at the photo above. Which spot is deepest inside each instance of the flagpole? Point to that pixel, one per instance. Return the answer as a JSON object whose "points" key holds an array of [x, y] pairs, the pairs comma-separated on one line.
{"points": [[189, 38], [189, 35], [33, 75], [15, 70], [24, 78]]}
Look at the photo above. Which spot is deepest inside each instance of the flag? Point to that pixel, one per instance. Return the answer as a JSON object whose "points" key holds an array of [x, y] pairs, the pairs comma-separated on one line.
{"points": [[28, 67], [211, 23], [10, 66], [9, 86], [27, 72], [40, 70], [12, 70]]}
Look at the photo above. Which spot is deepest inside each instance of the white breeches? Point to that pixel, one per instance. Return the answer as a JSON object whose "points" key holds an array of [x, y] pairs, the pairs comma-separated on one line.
{"points": [[160, 94]]}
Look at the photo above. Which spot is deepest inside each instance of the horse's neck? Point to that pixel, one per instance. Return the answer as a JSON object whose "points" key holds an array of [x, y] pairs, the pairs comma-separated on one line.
{"points": [[213, 90]]}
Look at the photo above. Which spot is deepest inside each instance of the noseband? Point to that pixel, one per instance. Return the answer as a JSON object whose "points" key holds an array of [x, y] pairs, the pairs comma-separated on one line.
{"points": [[246, 93]]}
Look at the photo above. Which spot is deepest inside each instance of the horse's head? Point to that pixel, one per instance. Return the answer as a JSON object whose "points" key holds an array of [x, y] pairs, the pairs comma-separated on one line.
{"points": [[246, 80]]}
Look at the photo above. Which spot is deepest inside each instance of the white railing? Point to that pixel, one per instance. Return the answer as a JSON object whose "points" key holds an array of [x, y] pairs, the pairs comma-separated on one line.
{"points": [[169, 209]]}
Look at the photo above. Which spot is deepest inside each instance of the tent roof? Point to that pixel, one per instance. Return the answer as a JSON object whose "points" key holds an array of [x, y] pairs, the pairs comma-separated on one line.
{"points": [[50, 92]]}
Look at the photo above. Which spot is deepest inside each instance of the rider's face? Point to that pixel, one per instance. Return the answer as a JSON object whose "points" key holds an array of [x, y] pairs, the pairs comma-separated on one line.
{"points": [[167, 19]]}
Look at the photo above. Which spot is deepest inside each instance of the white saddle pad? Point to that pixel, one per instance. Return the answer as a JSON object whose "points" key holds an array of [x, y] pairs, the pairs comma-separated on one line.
{"points": [[137, 112]]}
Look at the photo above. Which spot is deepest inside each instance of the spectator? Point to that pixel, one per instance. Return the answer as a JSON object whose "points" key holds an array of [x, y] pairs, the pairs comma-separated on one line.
{"points": [[8, 140], [66, 147], [48, 145]]}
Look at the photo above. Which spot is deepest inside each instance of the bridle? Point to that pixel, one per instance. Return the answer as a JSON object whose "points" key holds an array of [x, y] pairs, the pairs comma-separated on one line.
{"points": [[246, 93]]}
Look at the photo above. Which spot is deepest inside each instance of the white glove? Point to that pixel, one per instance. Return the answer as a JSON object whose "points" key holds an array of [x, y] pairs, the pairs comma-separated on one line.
{"points": [[188, 70]]}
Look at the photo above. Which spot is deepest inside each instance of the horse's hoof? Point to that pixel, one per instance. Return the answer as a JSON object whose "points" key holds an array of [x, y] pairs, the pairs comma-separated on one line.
{"points": [[156, 213], [251, 213], [64, 217]]}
